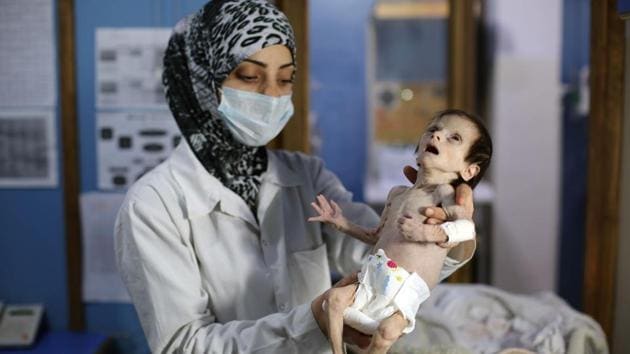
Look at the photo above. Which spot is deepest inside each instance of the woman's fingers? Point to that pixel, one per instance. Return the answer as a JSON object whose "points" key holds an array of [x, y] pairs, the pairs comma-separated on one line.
{"points": [[347, 280], [448, 245], [464, 198], [436, 213], [432, 221]]}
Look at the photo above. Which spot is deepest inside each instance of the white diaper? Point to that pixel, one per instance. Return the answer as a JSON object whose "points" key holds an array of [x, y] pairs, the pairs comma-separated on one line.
{"points": [[385, 288]]}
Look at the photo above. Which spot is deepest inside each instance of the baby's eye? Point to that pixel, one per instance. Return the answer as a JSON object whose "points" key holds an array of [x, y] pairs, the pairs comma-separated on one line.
{"points": [[456, 138], [432, 130]]}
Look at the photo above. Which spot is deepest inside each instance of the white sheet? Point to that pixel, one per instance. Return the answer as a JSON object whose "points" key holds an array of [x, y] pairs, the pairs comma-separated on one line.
{"points": [[484, 319]]}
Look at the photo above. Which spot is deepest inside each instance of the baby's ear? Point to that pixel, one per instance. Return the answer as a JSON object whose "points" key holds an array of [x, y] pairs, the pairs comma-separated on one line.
{"points": [[469, 172]]}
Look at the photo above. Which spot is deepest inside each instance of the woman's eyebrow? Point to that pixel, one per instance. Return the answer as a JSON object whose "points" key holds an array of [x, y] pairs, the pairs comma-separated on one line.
{"points": [[264, 65], [259, 63]]}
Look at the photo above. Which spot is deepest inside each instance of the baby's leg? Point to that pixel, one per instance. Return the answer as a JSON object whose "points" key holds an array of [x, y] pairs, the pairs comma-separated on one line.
{"points": [[339, 299], [388, 332]]}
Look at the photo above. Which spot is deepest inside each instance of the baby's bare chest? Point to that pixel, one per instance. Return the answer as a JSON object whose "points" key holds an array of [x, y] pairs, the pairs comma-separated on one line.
{"points": [[413, 256], [412, 202], [408, 203]]}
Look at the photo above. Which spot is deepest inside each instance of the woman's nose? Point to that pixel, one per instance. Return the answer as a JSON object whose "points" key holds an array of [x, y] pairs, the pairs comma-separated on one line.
{"points": [[271, 90]]}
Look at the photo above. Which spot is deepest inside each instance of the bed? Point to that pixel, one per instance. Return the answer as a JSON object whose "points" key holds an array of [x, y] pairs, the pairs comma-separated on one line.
{"points": [[465, 318]]}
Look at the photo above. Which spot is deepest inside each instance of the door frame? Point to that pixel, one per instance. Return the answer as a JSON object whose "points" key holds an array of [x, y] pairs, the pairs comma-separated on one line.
{"points": [[604, 163]]}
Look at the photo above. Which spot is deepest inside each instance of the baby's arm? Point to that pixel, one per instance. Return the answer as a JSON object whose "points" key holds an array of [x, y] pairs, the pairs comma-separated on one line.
{"points": [[331, 213]]}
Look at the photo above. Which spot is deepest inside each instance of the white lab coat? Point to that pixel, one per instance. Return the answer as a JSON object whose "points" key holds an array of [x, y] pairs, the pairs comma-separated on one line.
{"points": [[205, 277]]}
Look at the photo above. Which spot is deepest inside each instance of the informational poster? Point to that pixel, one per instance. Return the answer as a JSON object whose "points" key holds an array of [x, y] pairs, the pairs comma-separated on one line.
{"points": [[129, 144], [28, 155], [27, 54], [129, 67], [101, 280]]}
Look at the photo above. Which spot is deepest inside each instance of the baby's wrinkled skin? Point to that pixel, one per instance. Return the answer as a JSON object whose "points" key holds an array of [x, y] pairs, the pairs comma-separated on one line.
{"points": [[402, 233]]}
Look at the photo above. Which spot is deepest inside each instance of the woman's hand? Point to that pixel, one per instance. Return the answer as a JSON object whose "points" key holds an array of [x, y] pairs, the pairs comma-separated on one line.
{"points": [[413, 230], [437, 215], [350, 335]]}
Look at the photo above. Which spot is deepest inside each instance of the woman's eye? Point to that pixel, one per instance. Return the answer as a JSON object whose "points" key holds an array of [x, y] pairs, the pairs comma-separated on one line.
{"points": [[286, 81], [248, 78]]}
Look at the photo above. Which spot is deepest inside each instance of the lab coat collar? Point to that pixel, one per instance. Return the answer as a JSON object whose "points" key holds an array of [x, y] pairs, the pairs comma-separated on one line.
{"points": [[202, 192]]}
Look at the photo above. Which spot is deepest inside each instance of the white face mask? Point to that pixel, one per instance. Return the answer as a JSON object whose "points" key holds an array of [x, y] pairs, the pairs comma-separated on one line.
{"points": [[254, 119]]}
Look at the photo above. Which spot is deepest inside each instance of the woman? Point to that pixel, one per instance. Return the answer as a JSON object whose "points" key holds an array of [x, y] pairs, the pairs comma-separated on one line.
{"points": [[213, 244]]}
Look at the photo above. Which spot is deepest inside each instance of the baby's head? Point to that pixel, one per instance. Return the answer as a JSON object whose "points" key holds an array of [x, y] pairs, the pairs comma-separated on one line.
{"points": [[456, 143]]}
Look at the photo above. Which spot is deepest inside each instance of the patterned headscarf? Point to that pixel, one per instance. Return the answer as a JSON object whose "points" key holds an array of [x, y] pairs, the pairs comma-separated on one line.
{"points": [[202, 51]]}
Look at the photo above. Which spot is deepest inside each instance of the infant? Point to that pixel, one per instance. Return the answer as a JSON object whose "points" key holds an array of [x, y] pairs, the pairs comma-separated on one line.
{"points": [[455, 148]]}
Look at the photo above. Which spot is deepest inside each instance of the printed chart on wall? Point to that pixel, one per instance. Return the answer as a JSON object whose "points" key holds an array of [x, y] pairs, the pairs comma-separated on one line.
{"points": [[28, 96], [129, 67], [132, 143], [135, 130], [28, 156], [27, 54]]}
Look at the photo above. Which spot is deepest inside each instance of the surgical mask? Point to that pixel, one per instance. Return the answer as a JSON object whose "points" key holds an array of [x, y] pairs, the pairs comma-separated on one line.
{"points": [[254, 119]]}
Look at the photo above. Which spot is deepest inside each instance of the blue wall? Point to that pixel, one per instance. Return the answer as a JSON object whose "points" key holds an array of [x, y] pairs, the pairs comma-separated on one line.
{"points": [[32, 245]]}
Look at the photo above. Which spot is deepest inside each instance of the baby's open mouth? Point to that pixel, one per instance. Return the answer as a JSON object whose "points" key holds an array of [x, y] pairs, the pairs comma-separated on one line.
{"points": [[432, 149]]}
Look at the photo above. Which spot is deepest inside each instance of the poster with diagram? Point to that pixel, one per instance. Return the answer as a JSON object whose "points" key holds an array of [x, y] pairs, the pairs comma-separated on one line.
{"points": [[134, 130], [129, 144], [129, 67]]}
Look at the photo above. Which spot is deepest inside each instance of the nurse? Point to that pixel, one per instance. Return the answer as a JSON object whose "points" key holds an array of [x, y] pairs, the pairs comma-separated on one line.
{"points": [[213, 244]]}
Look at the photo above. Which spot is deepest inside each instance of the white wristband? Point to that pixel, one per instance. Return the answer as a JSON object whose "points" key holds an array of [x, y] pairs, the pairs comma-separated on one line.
{"points": [[459, 230]]}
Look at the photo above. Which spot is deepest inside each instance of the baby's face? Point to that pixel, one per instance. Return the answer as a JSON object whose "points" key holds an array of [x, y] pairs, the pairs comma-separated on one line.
{"points": [[445, 144]]}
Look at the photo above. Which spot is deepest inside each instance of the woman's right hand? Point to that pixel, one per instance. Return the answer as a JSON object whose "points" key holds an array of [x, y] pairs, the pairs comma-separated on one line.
{"points": [[350, 335], [437, 215]]}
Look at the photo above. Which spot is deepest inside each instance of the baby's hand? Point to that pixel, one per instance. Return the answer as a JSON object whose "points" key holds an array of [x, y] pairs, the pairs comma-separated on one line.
{"points": [[413, 229], [329, 212]]}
